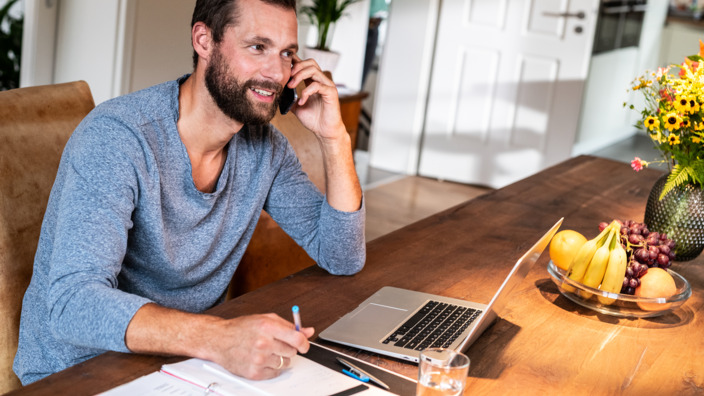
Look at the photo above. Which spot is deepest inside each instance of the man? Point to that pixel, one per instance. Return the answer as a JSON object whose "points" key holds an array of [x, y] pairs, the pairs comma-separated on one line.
{"points": [[158, 193]]}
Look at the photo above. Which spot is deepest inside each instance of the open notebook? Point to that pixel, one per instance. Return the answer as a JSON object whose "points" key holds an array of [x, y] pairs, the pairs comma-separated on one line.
{"points": [[193, 376]]}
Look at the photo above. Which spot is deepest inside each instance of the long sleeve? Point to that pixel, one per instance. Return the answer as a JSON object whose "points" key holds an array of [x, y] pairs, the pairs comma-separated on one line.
{"points": [[334, 239]]}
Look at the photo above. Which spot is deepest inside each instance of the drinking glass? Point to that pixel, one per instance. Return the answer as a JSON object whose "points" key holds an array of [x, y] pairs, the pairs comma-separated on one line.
{"points": [[441, 372]]}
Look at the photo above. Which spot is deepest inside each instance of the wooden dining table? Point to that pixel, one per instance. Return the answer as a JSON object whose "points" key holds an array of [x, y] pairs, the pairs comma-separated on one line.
{"points": [[543, 343]]}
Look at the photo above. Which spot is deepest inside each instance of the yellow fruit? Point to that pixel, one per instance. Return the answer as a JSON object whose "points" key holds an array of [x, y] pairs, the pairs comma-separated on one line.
{"points": [[655, 283], [563, 247]]}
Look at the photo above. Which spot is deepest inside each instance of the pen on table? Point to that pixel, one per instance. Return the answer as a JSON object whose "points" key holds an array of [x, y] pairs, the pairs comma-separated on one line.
{"points": [[357, 373], [296, 317]]}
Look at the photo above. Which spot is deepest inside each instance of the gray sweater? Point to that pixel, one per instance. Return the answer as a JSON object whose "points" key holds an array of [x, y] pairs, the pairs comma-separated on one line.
{"points": [[125, 225]]}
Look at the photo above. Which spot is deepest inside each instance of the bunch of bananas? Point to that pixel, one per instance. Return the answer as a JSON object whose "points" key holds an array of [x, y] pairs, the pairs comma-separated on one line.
{"points": [[600, 263]]}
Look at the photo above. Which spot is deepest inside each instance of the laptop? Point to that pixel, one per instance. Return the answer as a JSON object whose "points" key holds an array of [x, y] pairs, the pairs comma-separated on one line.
{"points": [[400, 323]]}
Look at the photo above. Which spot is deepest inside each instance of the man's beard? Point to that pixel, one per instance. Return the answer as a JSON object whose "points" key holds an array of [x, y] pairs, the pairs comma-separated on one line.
{"points": [[231, 96]]}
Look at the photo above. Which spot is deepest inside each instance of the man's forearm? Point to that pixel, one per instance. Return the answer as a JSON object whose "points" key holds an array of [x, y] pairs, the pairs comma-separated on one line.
{"points": [[158, 330], [342, 184], [254, 346]]}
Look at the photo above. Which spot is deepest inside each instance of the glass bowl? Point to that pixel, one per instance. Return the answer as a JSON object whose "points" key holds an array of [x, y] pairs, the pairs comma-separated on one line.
{"points": [[624, 305]]}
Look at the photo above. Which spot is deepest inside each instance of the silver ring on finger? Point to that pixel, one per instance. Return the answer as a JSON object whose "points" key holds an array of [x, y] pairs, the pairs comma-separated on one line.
{"points": [[281, 363]]}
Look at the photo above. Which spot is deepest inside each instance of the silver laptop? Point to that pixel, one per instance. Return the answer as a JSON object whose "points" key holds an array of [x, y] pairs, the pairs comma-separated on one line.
{"points": [[400, 323]]}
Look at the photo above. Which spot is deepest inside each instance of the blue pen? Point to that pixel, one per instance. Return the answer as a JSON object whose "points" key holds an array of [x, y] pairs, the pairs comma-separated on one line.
{"points": [[359, 374], [296, 317], [356, 375]]}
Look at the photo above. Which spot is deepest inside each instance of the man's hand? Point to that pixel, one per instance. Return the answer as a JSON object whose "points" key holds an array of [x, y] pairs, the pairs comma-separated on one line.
{"points": [[318, 107], [256, 347], [260, 346]]}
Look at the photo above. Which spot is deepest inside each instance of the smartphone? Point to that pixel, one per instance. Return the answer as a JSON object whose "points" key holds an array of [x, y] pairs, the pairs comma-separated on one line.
{"points": [[288, 98]]}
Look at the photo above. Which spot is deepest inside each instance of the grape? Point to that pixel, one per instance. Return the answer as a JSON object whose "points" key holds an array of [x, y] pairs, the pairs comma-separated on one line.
{"points": [[645, 249], [663, 260], [653, 252]]}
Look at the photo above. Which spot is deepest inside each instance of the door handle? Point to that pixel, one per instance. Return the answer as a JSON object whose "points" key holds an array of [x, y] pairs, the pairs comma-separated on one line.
{"points": [[578, 15]]}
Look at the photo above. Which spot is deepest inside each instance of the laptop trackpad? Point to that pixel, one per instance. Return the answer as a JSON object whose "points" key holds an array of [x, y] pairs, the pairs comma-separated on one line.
{"points": [[374, 314]]}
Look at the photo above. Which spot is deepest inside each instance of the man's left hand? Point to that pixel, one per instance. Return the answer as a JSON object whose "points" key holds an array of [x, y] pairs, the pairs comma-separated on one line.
{"points": [[318, 107]]}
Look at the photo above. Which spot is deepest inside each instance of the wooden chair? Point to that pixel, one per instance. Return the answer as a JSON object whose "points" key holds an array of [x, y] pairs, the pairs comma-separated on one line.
{"points": [[272, 254], [35, 123]]}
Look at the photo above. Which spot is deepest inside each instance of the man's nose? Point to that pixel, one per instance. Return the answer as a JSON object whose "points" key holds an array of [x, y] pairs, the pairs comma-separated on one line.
{"points": [[275, 69]]}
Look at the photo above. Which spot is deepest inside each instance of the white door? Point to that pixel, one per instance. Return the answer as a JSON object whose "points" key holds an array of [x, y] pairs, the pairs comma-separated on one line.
{"points": [[506, 87]]}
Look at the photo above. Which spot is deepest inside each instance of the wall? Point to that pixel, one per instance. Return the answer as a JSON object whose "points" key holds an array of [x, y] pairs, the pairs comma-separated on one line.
{"points": [[90, 45], [402, 86], [604, 121], [161, 48], [119, 46], [38, 42], [679, 40]]}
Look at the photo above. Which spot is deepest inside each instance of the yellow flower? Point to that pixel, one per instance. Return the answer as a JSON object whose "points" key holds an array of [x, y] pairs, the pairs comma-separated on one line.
{"points": [[657, 136], [699, 126], [673, 139], [696, 139], [681, 103], [692, 104], [652, 123], [685, 123], [672, 121]]}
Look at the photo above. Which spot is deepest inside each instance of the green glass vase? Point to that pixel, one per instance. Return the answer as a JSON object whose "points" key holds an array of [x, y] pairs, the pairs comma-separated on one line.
{"points": [[680, 215]]}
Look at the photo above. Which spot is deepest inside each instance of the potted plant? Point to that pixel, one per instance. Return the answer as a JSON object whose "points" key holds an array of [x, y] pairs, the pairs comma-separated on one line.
{"points": [[10, 47], [323, 14]]}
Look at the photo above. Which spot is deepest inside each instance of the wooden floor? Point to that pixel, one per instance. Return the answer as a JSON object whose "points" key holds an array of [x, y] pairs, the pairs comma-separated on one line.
{"points": [[401, 202]]}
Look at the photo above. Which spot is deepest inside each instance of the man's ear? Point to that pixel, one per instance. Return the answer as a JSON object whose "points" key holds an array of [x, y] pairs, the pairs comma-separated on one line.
{"points": [[202, 40]]}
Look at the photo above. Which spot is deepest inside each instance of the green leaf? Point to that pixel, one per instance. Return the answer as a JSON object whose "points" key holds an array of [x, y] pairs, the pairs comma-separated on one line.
{"points": [[695, 58]]}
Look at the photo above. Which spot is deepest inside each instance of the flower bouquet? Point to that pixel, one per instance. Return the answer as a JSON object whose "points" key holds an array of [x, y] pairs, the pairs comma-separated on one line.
{"points": [[673, 117]]}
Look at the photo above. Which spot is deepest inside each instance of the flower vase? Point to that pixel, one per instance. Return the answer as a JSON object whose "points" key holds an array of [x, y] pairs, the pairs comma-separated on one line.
{"points": [[680, 215]]}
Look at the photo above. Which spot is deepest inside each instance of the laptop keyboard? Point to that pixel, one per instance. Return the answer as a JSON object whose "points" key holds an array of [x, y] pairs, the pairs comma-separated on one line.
{"points": [[437, 324]]}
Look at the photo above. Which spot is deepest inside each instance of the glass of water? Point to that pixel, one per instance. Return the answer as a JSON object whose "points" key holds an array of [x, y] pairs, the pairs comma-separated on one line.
{"points": [[442, 372]]}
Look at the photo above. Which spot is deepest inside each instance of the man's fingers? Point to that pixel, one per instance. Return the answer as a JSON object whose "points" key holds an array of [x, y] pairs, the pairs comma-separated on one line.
{"points": [[308, 71], [328, 93]]}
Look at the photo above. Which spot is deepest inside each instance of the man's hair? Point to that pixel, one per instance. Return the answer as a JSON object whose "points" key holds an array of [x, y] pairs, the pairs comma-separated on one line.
{"points": [[218, 15]]}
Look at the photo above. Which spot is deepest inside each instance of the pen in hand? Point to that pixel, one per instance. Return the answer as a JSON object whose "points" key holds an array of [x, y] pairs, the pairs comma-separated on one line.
{"points": [[296, 317]]}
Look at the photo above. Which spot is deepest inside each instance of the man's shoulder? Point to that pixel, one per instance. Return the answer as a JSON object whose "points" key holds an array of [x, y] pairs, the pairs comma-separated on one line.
{"points": [[142, 106]]}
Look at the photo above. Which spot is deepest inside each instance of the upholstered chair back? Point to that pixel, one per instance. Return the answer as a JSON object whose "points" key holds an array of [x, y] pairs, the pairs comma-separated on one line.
{"points": [[35, 123]]}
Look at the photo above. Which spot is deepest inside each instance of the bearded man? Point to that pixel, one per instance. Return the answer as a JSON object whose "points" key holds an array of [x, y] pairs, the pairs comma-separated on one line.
{"points": [[158, 194]]}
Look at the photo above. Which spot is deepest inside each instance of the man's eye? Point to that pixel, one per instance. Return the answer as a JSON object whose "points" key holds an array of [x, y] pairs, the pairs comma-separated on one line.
{"points": [[287, 54], [257, 47]]}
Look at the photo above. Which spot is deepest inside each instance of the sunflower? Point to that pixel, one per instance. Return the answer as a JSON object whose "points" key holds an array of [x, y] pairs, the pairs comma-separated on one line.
{"points": [[692, 104], [681, 103], [685, 123], [652, 123], [673, 139], [672, 121]]}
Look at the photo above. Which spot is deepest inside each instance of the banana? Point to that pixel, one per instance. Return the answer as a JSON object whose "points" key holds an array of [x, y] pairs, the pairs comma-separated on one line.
{"points": [[581, 260], [597, 265], [615, 272]]}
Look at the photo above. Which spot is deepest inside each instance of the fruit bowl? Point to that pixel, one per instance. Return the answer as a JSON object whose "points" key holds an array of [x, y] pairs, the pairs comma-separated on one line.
{"points": [[624, 305]]}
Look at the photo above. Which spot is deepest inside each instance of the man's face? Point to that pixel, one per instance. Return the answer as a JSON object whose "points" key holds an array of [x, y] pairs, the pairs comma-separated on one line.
{"points": [[248, 69]]}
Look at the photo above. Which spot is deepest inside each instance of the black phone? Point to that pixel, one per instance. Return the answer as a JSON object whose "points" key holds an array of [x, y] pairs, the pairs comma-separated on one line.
{"points": [[288, 98]]}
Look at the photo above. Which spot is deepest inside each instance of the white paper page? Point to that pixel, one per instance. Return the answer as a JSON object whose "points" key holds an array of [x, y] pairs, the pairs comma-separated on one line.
{"points": [[156, 384], [303, 377]]}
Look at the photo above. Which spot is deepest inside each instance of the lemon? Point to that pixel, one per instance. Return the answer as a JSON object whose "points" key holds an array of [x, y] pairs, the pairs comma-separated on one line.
{"points": [[564, 246]]}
